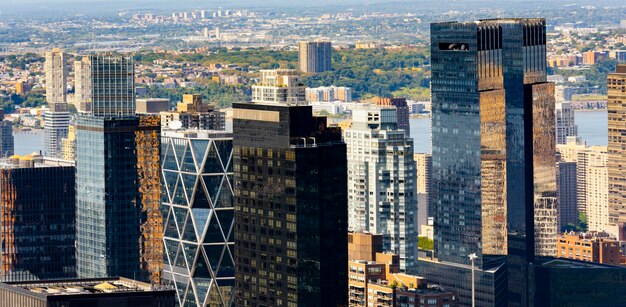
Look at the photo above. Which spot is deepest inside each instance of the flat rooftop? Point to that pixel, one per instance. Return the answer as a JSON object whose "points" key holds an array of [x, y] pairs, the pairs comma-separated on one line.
{"points": [[85, 286]]}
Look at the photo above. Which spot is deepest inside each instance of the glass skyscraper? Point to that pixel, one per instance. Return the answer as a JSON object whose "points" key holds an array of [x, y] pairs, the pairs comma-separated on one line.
{"points": [[109, 209], [197, 206], [494, 168], [291, 241]]}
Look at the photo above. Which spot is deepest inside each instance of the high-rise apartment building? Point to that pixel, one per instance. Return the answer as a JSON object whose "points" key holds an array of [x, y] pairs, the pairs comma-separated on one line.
{"points": [[424, 164], [381, 182], [565, 122], [291, 220], [315, 57], [402, 109], [6, 137], [57, 118], [279, 86], [567, 187], [108, 202], [198, 211], [494, 167], [82, 85], [68, 145], [329, 94], [192, 113], [37, 204], [616, 85]]}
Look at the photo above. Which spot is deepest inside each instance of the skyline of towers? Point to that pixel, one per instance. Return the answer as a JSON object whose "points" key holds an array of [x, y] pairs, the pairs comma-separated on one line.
{"points": [[291, 218], [382, 197], [616, 84], [494, 167], [314, 57], [197, 208], [57, 118]]}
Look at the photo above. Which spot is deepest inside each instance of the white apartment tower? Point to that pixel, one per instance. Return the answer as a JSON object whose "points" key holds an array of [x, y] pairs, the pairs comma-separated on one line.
{"points": [[57, 118], [382, 196], [565, 122], [279, 86]]}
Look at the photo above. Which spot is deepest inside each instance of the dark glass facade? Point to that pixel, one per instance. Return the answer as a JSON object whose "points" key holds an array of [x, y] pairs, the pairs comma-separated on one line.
{"points": [[37, 223], [290, 174], [494, 168], [108, 216]]}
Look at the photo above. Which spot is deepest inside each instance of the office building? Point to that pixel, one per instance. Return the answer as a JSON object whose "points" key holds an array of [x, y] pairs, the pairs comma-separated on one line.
{"points": [[402, 110], [494, 167], [564, 282], [382, 182], [192, 113], [565, 122], [198, 210], [6, 137], [291, 218], [597, 247], [152, 105], [37, 203], [148, 151], [616, 83], [57, 118], [279, 86], [364, 246], [329, 94], [424, 164], [85, 292], [314, 57], [108, 201], [82, 85], [68, 145], [567, 189]]}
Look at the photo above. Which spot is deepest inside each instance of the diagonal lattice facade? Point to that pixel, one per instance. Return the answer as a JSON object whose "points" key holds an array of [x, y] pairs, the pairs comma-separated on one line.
{"points": [[197, 207]]}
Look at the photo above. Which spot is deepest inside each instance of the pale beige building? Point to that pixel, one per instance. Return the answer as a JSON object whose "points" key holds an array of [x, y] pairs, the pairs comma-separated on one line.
{"points": [[279, 86], [616, 84], [82, 85], [192, 113], [56, 76], [68, 145]]}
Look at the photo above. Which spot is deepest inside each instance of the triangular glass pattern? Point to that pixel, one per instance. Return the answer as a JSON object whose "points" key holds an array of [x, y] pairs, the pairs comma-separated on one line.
{"points": [[180, 258], [188, 164], [190, 233], [169, 159], [170, 180], [200, 199], [202, 269], [170, 252], [199, 150], [212, 184], [190, 250], [170, 227], [213, 164], [200, 216], [229, 167], [226, 218], [190, 183], [225, 199], [202, 287], [181, 286], [227, 268], [179, 149], [179, 194], [214, 295], [181, 216], [224, 148], [214, 232], [227, 287], [214, 253]]}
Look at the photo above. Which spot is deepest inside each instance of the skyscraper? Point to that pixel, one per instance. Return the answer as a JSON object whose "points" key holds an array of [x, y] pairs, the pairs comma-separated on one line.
{"points": [[565, 122], [68, 145], [424, 164], [494, 176], [566, 181], [108, 201], [402, 110], [82, 85], [616, 84], [198, 210], [57, 118], [6, 137], [37, 222], [279, 86], [314, 57], [381, 182], [290, 207]]}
